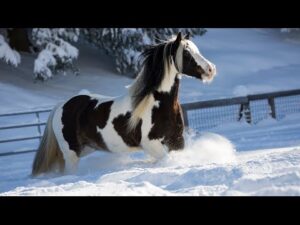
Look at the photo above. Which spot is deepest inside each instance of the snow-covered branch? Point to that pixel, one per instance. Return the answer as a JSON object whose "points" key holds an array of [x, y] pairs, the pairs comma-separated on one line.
{"points": [[7, 54], [57, 54]]}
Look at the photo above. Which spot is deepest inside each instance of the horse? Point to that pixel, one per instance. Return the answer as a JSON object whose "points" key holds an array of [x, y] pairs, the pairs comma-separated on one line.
{"points": [[148, 116]]}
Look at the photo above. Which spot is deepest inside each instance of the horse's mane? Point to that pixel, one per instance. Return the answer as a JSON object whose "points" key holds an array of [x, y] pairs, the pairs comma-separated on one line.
{"points": [[156, 59]]}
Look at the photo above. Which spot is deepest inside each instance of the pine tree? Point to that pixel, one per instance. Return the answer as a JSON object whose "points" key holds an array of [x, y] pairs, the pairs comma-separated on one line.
{"points": [[8, 54], [56, 53]]}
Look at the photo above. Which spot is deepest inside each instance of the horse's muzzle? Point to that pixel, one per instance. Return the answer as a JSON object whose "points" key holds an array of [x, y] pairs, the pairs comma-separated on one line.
{"points": [[209, 75]]}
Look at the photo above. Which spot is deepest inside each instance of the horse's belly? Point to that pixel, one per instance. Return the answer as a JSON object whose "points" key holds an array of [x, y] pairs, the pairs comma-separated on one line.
{"points": [[118, 142], [115, 143]]}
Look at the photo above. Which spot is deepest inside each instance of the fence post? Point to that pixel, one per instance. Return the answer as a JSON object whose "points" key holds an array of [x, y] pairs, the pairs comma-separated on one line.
{"points": [[39, 126], [185, 117], [245, 112], [271, 103]]}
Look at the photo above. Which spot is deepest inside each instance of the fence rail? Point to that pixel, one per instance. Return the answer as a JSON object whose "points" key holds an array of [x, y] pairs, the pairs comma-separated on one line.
{"points": [[244, 104], [213, 112], [26, 112], [21, 125], [38, 124]]}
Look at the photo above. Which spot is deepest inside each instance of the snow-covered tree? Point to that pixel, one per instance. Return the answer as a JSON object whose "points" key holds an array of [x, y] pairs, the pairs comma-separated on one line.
{"points": [[126, 44], [8, 54], [56, 53]]}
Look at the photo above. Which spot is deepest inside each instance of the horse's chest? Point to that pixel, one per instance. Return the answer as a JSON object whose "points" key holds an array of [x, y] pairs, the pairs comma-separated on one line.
{"points": [[130, 138], [166, 123]]}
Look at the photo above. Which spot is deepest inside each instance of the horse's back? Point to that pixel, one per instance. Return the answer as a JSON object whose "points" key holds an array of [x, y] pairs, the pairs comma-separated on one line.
{"points": [[98, 122]]}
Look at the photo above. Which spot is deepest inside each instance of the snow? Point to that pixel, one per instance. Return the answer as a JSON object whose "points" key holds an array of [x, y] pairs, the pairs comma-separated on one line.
{"points": [[208, 148], [233, 158], [7, 54], [287, 30], [263, 172], [44, 60], [46, 57], [55, 49]]}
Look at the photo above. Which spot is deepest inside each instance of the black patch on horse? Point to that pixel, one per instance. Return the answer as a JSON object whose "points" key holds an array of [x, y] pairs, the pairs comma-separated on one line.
{"points": [[167, 119], [90, 119], [80, 118], [132, 138], [190, 66]]}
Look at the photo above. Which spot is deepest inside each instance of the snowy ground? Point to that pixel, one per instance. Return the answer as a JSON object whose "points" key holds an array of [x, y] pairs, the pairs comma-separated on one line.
{"points": [[209, 166], [262, 159]]}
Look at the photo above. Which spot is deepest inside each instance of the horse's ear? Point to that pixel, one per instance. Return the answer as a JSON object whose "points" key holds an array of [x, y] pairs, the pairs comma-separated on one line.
{"points": [[187, 36], [177, 41], [179, 38]]}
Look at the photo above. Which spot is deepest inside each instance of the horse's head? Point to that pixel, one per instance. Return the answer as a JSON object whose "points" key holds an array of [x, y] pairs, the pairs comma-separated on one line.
{"points": [[189, 60]]}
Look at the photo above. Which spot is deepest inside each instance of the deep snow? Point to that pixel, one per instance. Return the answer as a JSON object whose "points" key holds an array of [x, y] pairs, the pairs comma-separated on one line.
{"points": [[262, 159], [208, 166]]}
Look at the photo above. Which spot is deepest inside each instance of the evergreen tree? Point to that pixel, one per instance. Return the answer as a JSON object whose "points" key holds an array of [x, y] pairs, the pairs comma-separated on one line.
{"points": [[8, 54], [56, 52]]}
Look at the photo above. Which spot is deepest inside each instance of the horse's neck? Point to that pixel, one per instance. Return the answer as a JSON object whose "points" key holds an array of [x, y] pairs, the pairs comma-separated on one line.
{"points": [[166, 94], [166, 84]]}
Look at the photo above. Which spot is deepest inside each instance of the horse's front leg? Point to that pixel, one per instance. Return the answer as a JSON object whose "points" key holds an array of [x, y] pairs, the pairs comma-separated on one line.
{"points": [[71, 162], [154, 148], [175, 143]]}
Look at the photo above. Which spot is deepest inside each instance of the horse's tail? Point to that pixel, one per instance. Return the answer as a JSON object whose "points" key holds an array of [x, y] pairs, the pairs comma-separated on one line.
{"points": [[49, 154]]}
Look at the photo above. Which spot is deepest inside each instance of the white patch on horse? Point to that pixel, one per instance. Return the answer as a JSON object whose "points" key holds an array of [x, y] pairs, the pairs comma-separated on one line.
{"points": [[112, 139], [153, 147]]}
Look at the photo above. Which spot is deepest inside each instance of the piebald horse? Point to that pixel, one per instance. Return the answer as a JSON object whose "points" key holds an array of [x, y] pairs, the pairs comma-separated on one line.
{"points": [[148, 117]]}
